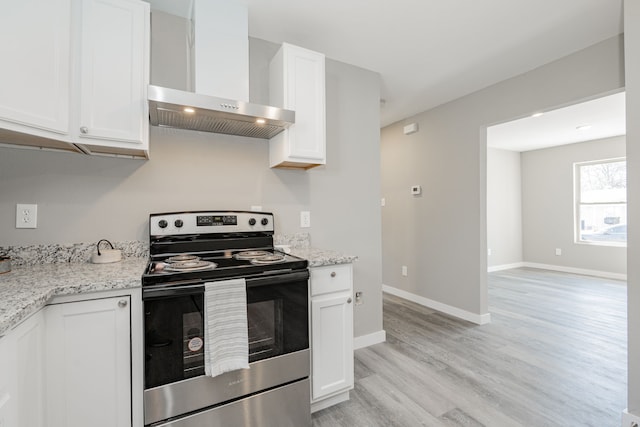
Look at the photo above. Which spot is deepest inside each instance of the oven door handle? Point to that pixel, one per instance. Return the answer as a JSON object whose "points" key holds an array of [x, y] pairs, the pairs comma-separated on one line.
{"points": [[272, 279], [198, 288], [172, 291]]}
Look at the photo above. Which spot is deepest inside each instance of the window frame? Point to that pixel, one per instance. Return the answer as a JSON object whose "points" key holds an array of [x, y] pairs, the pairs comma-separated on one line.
{"points": [[577, 203]]}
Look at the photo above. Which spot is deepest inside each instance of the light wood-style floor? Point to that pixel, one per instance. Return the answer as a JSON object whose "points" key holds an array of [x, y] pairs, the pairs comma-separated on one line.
{"points": [[554, 354]]}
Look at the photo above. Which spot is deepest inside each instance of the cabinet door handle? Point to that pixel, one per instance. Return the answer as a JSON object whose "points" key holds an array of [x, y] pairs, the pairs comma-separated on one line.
{"points": [[333, 274], [122, 303], [349, 300], [84, 129]]}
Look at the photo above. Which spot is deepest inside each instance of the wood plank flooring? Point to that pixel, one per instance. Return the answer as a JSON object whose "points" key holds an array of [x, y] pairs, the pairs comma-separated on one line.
{"points": [[554, 354]]}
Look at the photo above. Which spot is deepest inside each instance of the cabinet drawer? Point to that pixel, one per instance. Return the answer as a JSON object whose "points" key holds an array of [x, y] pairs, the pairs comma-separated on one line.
{"points": [[330, 278]]}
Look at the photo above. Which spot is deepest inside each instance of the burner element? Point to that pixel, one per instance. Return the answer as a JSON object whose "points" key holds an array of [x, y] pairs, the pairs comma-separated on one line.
{"points": [[182, 258], [249, 255], [268, 259], [190, 265]]}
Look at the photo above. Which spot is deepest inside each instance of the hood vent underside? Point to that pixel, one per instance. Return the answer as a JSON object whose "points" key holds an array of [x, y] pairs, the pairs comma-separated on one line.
{"points": [[187, 110]]}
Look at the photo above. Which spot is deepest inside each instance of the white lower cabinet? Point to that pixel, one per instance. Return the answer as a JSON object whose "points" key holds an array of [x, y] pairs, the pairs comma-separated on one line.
{"points": [[21, 374], [331, 335], [88, 381], [75, 363]]}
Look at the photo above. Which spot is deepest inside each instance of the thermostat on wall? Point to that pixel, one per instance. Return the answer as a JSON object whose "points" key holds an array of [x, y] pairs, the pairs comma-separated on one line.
{"points": [[416, 189], [410, 128]]}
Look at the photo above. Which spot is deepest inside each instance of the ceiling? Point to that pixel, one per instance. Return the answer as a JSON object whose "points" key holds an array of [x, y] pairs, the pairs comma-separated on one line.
{"points": [[429, 52], [604, 117]]}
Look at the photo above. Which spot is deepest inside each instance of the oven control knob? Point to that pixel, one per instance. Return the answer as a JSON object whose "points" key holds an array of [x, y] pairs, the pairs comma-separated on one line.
{"points": [[264, 221], [178, 223], [252, 221], [163, 223]]}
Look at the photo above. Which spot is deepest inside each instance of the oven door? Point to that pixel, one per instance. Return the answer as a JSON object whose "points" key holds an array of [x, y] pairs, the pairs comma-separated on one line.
{"points": [[278, 330]]}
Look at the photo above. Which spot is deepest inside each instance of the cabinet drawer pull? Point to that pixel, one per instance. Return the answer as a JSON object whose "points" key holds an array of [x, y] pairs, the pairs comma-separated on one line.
{"points": [[333, 274], [84, 129], [122, 303]]}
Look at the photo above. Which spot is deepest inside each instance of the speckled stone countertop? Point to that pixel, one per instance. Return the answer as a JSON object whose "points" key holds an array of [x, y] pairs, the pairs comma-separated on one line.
{"points": [[319, 257], [42, 272], [27, 288]]}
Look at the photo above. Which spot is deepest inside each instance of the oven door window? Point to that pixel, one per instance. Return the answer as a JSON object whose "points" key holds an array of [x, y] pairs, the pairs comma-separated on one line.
{"points": [[174, 339], [277, 318]]}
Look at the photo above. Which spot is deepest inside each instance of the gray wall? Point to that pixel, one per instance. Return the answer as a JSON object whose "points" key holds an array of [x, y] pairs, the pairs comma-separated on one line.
{"points": [[441, 236], [632, 64], [83, 199], [548, 208], [504, 207]]}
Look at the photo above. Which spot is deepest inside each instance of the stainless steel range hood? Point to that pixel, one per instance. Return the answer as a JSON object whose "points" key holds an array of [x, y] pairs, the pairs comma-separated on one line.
{"points": [[187, 110], [218, 80]]}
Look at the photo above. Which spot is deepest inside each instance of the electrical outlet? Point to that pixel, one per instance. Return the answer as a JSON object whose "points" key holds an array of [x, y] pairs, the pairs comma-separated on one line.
{"points": [[26, 216], [630, 420], [558, 251], [305, 219], [256, 208], [489, 251], [359, 300], [404, 270]]}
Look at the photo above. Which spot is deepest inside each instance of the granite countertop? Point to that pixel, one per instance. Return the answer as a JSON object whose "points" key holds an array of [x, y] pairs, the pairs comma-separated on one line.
{"points": [[26, 289], [320, 257]]}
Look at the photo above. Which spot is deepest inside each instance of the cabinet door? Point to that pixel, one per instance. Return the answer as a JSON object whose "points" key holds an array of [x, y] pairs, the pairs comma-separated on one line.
{"points": [[7, 382], [306, 95], [89, 363], [114, 71], [297, 82], [29, 347], [35, 52], [331, 344], [21, 374]]}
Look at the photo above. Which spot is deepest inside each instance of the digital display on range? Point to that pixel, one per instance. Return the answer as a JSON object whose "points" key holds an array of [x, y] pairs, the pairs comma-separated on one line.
{"points": [[209, 220]]}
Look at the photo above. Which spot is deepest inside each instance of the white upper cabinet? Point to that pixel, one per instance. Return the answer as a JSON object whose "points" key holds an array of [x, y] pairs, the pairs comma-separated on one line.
{"points": [[114, 65], [74, 75], [297, 82], [35, 71]]}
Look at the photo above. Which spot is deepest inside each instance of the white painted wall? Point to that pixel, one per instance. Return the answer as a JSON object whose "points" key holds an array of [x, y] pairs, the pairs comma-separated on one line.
{"points": [[504, 208], [441, 236], [548, 208]]}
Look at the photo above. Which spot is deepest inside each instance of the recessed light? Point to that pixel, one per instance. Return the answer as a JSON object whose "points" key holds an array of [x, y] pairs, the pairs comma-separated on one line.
{"points": [[583, 127], [189, 110], [261, 121]]}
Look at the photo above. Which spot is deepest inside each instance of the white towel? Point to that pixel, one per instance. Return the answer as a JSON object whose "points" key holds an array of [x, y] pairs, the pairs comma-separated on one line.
{"points": [[226, 344]]}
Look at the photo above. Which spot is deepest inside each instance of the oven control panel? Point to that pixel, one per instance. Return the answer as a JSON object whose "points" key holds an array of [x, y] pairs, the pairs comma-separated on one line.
{"points": [[179, 223]]}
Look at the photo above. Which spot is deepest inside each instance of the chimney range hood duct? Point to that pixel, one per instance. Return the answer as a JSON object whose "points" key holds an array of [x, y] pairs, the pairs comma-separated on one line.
{"points": [[220, 59], [187, 110]]}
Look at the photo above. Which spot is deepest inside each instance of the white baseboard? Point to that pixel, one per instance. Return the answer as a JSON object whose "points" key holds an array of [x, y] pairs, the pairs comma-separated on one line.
{"points": [[630, 420], [561, 268], [329, 401], [479, 319], [493, 268], [583, 271], [370, 339]]}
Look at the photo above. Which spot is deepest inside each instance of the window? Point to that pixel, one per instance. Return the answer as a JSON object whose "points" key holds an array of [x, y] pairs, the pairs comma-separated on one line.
{"points": [[601, 202]]}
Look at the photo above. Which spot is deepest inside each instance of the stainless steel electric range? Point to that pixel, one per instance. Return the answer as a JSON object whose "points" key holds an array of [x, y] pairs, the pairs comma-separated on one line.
{"points": [[188, 250]]}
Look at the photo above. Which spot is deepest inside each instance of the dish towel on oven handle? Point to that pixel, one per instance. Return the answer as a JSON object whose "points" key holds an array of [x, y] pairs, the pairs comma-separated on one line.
{"points": [[226, 343]]}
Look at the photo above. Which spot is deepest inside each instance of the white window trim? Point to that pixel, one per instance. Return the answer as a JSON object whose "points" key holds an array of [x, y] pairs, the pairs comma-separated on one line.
{"points": [[577, 202]]}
